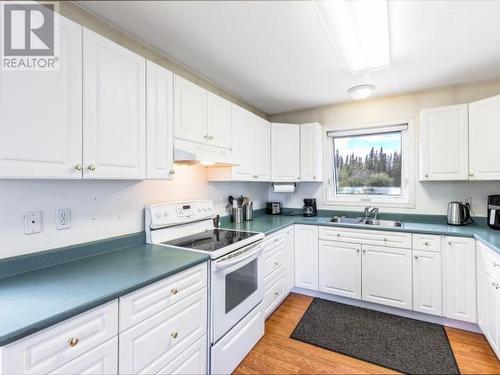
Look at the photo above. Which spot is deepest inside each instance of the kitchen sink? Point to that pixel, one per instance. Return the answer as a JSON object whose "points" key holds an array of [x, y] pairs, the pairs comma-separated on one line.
{"points": [[368, 222]]}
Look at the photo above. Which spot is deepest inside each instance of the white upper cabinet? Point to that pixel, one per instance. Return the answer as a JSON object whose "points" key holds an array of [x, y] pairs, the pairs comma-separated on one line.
{"points": [[251, 149], [219, 125], [459, 278], [285, 152], [311, 152], [484, 131], [190, 111], [159, 122], [444, 143], [41, 115], [113, 110]]}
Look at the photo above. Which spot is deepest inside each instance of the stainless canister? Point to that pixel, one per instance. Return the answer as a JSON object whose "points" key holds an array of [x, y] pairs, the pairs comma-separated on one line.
{"points": [[249, 211], [237, 215]]}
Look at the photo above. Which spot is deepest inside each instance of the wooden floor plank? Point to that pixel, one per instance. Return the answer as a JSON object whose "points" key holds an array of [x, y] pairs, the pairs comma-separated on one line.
{"points": [[277, 353]]}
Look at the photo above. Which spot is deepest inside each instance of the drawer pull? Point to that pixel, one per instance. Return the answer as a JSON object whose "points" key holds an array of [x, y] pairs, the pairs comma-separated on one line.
{"points": [[338, 234], [174, 291], [450, 243], [385, 239], [276, 264], [357, 250], [276, 294], [496, 265], [416, 256], [73, 341], [426, 243], [174, 335], [364, 251]]}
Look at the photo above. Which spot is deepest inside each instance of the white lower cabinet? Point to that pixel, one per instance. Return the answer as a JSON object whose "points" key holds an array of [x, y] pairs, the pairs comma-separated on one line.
{"points": [[306, 256], [340, 268], [100, 360], [488, 295], [192, 361], [149, 346], [459, 278], [48, 350], [278, 268], [387, 276], [427, 286]]}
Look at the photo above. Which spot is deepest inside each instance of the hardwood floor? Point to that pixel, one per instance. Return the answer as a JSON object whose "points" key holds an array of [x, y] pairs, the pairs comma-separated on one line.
{"points": [[277, 353]]}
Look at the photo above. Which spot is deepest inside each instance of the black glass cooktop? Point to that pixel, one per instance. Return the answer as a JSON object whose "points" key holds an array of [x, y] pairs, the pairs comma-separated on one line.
{"points": [[210, 240]]}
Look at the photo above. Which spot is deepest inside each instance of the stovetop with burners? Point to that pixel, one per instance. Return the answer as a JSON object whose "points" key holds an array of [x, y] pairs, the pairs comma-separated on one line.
{"points": [[210, 240]]}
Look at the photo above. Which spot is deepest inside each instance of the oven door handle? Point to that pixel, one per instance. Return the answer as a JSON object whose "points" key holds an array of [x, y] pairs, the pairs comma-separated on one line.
{"points": [[221, 264]]}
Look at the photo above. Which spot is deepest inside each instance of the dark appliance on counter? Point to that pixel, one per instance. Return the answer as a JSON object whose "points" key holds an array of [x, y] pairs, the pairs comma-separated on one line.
{"points": [[273, 208], [459, 213], [310, 208], [494, 211]]}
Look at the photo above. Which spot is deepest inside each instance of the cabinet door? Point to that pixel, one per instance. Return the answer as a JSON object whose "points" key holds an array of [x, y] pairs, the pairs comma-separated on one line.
{"points": [[100, 360], [261, 149], [340, 268], [306, 256], [243, 149], [427, 288], [482, 285], [290, 256], [311, 152], [114, 118], [484, 132], [387, 277], [190, 111], [285, 152], [492, 321], [192, 362], [41, 115], [444, 143], [159, 122], [459, 279], [219, 126]]}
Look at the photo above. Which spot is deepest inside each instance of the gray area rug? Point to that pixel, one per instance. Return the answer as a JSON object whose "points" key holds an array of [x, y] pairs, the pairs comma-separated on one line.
{"points": [[402, 344]]}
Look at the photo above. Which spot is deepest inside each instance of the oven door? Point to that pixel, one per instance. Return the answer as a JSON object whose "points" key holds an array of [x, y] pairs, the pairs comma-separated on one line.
{"points": [[237, 287]]}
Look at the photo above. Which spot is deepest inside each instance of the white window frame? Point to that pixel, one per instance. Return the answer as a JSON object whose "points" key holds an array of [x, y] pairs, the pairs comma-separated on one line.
{"points": [[406, 200]]}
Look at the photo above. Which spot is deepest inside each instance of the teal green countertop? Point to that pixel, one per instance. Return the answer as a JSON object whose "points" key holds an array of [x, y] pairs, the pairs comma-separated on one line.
{"points": [[271, 223], [38, 298]]}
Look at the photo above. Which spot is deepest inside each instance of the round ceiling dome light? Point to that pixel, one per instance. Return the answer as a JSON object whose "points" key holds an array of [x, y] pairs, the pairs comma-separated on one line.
{"points": [[361, 91]]}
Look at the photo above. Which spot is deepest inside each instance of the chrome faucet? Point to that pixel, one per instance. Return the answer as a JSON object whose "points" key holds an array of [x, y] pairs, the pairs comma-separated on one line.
{"points": [[369, 211]]}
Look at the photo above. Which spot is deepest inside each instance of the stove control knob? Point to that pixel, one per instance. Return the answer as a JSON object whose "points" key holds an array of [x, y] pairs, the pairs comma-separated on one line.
{"points": [[199, 209], [165, 213], [158, 214]]}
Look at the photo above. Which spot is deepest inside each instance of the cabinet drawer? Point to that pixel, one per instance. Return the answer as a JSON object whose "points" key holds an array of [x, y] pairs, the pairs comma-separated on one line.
{"points": [[274, 295], [151, 345], [366, 237], [144, 303], [101, 360], [193, 361], [47, 350], [272, 239], [274, 263], [429, 242]]}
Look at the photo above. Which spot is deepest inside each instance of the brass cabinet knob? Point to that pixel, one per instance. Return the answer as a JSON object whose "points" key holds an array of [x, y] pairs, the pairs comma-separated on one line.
{"points": [[496, 265], [416, 256], [172, 171], [426, 243], [450, 243], [79, 167], [174, 291], [471, 174], [73, 341], [357, 250], [174, 335], [364, 251], [91, 167], [314, 177], [385, 239], [426, 176], [276, 294], [276, 264]]}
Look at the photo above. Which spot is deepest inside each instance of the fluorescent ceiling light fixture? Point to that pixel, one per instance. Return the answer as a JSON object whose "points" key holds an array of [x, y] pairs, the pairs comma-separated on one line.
{"points": [[358, 31], [361, 91]]}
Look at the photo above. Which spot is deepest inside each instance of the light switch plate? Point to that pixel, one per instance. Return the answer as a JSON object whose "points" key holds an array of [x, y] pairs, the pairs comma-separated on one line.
{"points": [[32, 222], [63, 218]]}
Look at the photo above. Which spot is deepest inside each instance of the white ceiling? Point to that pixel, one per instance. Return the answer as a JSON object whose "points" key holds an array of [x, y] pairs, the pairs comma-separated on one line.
{"points": [[275, 56]]}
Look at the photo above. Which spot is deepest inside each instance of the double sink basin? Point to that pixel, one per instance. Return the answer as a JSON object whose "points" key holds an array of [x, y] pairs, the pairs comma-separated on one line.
{"points": [[366, 221]]}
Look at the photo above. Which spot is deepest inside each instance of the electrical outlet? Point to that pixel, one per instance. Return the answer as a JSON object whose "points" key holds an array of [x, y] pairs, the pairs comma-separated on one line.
{"points": [[63, 218], [32, 222]]}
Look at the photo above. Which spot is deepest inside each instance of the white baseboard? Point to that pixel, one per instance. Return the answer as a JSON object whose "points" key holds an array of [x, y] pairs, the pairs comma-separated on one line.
{"points": [[466, 326]]}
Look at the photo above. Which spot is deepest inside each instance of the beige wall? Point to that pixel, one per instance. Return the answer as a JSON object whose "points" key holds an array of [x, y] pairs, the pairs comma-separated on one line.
{"points": [[85, 18], [430, 197]]}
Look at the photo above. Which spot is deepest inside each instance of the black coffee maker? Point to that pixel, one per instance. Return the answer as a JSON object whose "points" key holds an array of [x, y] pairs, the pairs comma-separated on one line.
{"points": [[494, 211], [310, 208]]}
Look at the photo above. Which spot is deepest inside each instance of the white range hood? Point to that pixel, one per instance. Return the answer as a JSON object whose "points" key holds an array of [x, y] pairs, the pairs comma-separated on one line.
{"points": [[186, 152]]}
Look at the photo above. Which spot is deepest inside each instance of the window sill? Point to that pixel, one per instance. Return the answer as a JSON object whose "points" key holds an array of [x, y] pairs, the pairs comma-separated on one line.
{"points": [[357, 203]]}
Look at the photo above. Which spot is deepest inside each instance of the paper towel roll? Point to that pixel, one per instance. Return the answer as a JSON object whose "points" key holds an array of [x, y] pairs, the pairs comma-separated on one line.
{"points": [[283, 188]]}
